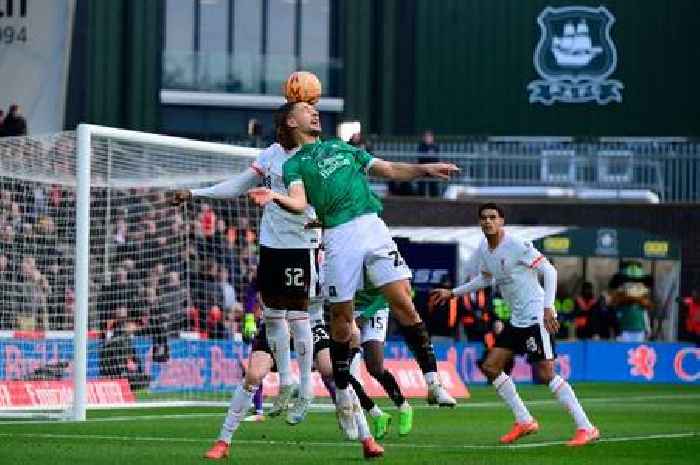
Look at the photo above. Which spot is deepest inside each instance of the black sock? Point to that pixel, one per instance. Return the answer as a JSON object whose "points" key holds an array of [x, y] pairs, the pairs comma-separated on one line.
{"points": [[391, 387], [418, 340], [365, 401], [340, 357]]}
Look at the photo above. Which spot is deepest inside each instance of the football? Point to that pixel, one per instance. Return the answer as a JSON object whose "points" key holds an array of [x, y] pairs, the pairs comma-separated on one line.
{"points": [[302, 86]]}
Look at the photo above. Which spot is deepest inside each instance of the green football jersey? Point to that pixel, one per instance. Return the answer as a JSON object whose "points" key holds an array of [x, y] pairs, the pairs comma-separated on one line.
{"points": [[335, 180], [369, 301]]}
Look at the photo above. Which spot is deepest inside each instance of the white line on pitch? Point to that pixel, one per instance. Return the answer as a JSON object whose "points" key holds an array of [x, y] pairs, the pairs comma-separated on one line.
{"points": [[649, 437], [320, 408]]}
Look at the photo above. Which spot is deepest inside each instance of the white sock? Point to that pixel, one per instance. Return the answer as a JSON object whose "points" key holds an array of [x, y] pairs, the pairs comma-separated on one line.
{"points": [[405, 406], [278, 340], [506, 389], [431, 378], [343, 396], [362, 426], [355, 366], [300, 326], [565, 394], [240, 403]]}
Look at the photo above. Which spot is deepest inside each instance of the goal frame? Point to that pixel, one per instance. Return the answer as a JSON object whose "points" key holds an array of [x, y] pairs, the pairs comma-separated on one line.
{"points": [[85, 133]]}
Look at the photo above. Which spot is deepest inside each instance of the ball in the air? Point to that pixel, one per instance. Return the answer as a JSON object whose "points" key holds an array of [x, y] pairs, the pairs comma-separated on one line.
{"points": [[302, 86]]}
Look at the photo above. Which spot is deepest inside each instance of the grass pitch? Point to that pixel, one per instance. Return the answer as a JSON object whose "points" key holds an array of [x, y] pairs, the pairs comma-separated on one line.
{"points": [[639, 424]]}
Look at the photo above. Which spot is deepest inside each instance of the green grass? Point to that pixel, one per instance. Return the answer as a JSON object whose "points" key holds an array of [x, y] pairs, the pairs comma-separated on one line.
{"points": [[637, 423]]}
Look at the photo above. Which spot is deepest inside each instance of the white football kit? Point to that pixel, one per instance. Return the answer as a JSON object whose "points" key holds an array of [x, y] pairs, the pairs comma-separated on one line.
{"points": [[513, 267]]}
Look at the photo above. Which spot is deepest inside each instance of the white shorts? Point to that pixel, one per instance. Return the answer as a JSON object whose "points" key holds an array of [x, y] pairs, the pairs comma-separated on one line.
{"points": [[374, 328], [363, 244]]}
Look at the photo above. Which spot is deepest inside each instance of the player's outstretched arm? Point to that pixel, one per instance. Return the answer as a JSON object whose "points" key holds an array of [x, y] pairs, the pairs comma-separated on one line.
{"points": [[294, 202], [438, 296], [238, 185], [407, 171]]}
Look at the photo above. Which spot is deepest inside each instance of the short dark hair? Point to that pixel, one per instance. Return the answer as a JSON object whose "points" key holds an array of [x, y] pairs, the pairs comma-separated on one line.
{"points": [[283, 133], [492, 206]]}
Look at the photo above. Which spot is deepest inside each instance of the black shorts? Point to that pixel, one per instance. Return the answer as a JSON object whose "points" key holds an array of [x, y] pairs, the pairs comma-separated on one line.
{"points": [[260, 341], [322, 339], [533, 341], [287, 273]]}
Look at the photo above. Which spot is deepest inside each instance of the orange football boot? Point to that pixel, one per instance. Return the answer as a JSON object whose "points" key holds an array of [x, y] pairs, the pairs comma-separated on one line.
{"points": [[519, 430]]}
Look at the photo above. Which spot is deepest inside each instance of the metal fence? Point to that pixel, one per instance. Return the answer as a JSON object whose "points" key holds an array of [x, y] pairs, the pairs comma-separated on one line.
{"points": [[663, 170]]}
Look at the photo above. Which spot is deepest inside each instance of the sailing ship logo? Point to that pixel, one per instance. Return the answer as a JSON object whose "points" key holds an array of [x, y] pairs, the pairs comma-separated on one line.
{"points": [[575, 56]]}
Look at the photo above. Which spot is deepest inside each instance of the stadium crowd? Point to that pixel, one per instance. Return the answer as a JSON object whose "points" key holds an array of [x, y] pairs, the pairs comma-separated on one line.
{"points": [[158, 270], [152, 271], [13, 123]]}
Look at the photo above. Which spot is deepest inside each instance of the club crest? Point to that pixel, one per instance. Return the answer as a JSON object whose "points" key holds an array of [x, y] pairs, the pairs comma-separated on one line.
{"points": [[575, 56]]}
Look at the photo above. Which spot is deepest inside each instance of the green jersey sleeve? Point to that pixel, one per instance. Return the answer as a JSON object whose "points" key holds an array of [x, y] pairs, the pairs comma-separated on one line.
{"points": [[363, 158], [291, 171]]}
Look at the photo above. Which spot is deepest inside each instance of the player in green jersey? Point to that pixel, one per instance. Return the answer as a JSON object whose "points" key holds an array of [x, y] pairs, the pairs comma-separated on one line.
{"points": [[372, 317], [332, 177]]}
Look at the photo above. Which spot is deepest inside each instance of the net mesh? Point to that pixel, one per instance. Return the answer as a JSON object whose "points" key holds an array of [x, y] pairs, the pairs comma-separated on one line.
{"points": [[168, 284]]}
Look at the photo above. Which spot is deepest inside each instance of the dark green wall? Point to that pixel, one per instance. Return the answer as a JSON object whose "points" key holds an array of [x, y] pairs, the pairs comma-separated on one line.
{"points": [[116, 64], [471, 62]]}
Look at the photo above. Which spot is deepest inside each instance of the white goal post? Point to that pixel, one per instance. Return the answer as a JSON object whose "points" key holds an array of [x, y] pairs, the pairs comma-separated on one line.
{"points": [[145, 274]]}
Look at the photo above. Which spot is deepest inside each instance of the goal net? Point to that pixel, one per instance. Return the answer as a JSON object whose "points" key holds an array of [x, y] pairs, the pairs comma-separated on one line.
{"points": [[109, 295]]}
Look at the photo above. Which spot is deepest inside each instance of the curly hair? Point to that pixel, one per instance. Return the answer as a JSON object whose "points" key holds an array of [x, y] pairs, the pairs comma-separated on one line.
{"points": [[283, 133]]}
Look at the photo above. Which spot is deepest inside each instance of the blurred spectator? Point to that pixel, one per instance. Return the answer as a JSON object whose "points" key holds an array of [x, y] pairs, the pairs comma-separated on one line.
{"points": [[207, 219], [143, 272], [692, 316], [118, 357], [157, 322], [117, 296], [173, 300], [33, 314], [589, 313], [8, 244], [216, 328], [564, 305], [2, 121], [8, 294], [207, 296], [428, 152], [14, 124], [477, 317], [227, 290], [442, 318]]}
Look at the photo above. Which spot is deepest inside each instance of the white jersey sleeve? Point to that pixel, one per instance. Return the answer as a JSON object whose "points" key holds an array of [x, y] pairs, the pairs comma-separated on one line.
{"points": [[473, 265], [531, 257]]}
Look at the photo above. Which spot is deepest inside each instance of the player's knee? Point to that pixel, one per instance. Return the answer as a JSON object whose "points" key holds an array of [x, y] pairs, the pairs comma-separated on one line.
{"points": [[253, 377], [545, 373], [405, 313], [491, 369], [341, 331]]}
